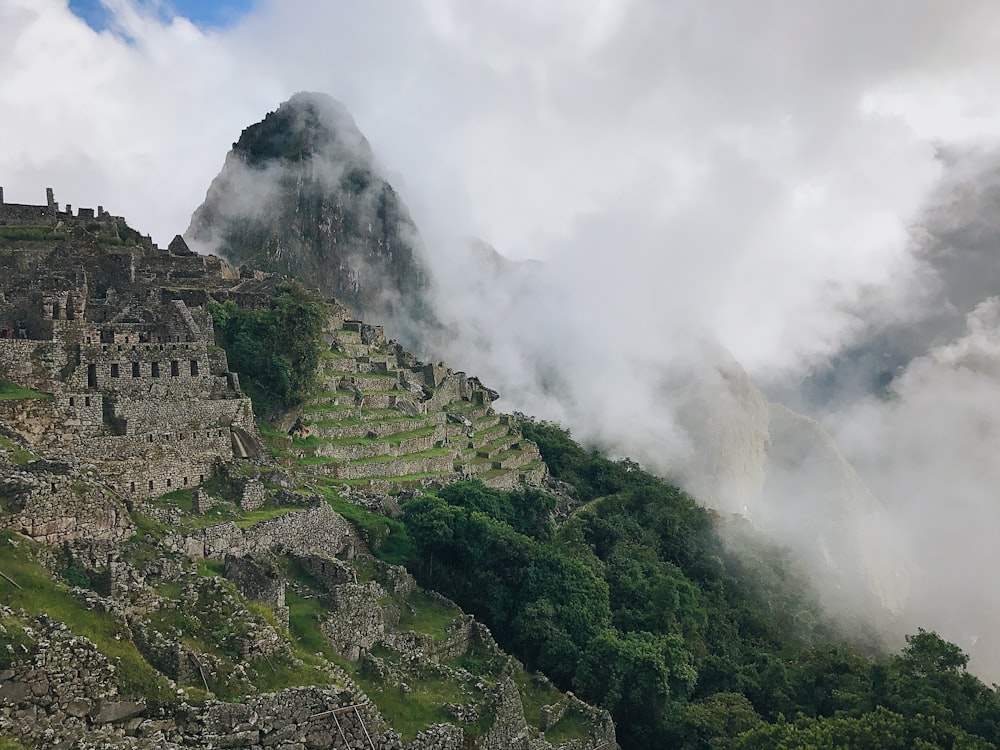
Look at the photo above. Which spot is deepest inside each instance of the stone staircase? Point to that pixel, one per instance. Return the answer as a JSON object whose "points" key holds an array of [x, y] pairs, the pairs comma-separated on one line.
{"points": [[381, 418]]}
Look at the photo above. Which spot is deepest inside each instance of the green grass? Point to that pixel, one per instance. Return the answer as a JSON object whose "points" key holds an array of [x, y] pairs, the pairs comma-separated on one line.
{"points": [[572, 726], [9, 743], [481, 662], [432, 453], [210, 568], [253, 517], [398, 437], [387, 537], [18, 455], [432, 617], [15, 644], [11, 392], [536, 692], [281, 671], [411, 712], [394, 438], [278, 443], [399, 480], [28, 233], [176, 499], [39, 594], [315, 408]]}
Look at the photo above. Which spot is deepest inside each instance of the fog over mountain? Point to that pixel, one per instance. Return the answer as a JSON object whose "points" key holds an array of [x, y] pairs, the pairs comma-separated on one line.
{"points": [[734, 206]]}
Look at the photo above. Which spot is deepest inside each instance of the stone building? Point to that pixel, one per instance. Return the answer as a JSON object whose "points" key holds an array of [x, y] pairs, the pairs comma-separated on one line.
{"points": [[114, 331]]}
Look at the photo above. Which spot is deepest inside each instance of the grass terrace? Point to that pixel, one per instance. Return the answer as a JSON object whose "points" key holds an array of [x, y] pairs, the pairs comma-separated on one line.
{"points": [[11, 392]]}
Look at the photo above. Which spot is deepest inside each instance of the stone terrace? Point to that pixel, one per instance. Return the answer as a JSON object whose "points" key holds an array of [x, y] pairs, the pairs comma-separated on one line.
{"points": [[385, 420]]}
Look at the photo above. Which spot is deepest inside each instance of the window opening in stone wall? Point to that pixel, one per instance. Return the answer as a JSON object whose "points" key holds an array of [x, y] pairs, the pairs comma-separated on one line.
{"points": [[168, 483], [154, 369], [107, 335], [135, 369], [55, 311], [150, 484], [114, 371], [201, 478], [53, 486], [70, 309], [151, 438], [72, 401], [86, 400], [194, 368], [185, 481], [91, 376], [175, 368], [132, 487]]}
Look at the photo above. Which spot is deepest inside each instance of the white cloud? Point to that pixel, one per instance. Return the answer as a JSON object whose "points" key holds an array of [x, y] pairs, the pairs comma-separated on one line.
{"points": [[744, 172]]}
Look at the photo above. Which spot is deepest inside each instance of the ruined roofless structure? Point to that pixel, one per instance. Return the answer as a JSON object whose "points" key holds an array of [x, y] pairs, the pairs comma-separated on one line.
{"points": [[115, 329]]}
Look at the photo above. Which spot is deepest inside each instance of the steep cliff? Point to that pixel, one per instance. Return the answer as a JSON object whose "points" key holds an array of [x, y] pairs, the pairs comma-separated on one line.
{"points": [[301, 193]]}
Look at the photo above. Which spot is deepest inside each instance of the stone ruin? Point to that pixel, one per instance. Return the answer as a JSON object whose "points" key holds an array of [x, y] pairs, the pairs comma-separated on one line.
{"points": [[116, 332]]}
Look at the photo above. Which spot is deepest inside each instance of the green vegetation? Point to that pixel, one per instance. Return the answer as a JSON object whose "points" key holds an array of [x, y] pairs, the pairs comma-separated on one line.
{"points": [[387, 538], [30, 234], [15, 643], [11, 392], [573, 725], [18, 455], [416, 705], [635, 604], [428, 616], [275, 351], [40, 594]]}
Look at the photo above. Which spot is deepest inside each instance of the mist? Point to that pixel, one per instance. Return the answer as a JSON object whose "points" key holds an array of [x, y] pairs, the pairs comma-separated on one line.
{"points": [[730, 205]]}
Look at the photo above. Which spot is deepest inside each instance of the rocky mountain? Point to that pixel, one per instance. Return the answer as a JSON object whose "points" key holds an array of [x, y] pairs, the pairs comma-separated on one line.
{"points": [[286, 199], [301, 193]]}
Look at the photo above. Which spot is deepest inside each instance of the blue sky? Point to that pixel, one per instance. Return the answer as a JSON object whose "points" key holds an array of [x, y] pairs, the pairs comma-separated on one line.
{"points": [[203, 13]]}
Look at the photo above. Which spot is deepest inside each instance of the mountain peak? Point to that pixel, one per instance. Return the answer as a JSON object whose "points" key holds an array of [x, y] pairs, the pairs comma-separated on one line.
{"points": [[302, 194], [307, 125]]}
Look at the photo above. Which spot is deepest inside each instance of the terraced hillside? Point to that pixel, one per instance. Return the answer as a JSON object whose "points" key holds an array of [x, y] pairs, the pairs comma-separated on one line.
{"points": [[383, 419]]}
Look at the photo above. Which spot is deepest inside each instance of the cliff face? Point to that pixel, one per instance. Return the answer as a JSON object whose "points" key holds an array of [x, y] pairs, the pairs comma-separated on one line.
{"points": [[301, 193]]}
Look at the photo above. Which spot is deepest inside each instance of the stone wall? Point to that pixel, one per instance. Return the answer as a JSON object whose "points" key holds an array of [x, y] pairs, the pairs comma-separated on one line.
{"points": [[358, 620], [64, 693], [317, 531], [59, 507], [396, 467], [328, 572], [254, 581], [252, 495]]}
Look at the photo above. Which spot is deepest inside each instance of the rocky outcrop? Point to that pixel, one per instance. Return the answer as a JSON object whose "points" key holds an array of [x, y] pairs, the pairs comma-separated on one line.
{"points": [[301, 194]]}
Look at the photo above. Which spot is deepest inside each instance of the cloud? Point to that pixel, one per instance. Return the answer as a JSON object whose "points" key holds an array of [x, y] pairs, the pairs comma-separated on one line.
{"points": [[760, 160], [929, 452], [741, 177]]}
